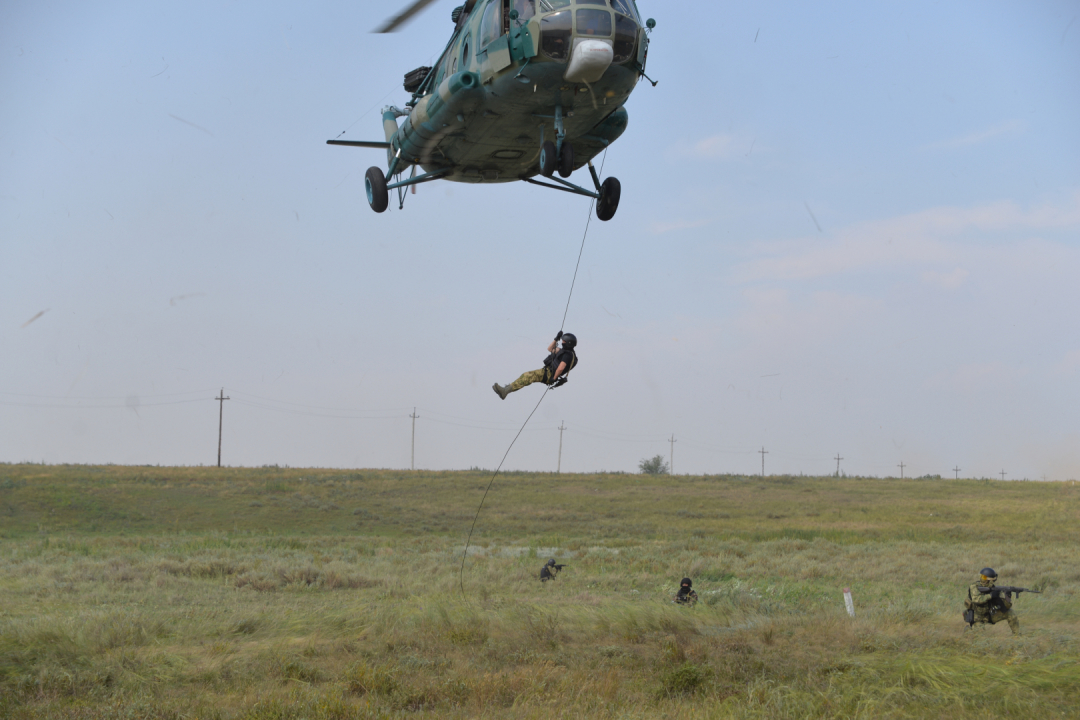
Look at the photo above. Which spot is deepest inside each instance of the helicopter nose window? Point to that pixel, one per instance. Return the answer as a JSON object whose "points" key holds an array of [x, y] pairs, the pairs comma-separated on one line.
{"points": [[555, 32], [550, 5], [594, 23], [626, 31]]}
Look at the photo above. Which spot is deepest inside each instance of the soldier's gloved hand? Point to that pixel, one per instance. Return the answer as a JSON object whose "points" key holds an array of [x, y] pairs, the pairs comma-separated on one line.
{"points": [[559, 336]]}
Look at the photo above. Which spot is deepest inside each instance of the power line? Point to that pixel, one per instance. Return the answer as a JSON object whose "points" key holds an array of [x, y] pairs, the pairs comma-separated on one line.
{"points": [[106, 397], [763, 452], [957, 471], [81, 406], [901, 466], [672, 441], [838, 459]]}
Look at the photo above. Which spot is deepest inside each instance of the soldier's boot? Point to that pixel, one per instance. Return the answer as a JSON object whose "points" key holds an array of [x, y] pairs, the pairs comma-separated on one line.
{"points": [[501, 391], [1014, 624]]}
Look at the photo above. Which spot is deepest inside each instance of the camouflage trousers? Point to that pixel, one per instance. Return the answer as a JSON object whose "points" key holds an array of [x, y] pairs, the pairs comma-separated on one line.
{"points": [[997, 616], [533, 376]]}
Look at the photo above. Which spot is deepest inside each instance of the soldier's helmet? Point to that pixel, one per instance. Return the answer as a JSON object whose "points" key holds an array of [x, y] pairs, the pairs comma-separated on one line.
{"points": [[550, 563], [988, 573], [569, 341], [687, 582]]}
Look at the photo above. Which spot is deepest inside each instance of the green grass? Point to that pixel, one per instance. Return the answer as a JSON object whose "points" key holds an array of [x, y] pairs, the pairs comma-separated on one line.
{"points": [[298, 593]]}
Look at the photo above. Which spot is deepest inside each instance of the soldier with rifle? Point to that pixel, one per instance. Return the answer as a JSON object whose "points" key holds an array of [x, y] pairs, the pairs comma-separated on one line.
{"points": [[686, 595], [550, 570], [988, 602]]}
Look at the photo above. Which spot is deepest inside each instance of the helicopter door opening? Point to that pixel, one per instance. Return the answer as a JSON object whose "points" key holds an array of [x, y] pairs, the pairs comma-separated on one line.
{"points": [[526, 9]]}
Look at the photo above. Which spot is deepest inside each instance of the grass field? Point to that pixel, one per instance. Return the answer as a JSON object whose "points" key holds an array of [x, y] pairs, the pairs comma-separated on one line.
{"points": [[274, 593]]}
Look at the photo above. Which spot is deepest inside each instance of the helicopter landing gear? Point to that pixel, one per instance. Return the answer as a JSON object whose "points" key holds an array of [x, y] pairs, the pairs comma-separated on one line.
{"points": [[566, 160], [375, 185], [548, 159], [608, 202], [606, 195]]}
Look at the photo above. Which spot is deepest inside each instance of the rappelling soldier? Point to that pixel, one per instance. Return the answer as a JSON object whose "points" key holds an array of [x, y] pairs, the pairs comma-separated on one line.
{"points": [[557, 367], [550, 570], [984, 605], [686, 595]]}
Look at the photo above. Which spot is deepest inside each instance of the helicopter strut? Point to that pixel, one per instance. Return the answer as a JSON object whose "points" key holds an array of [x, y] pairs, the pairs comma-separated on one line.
{"points": [[607, 193]]}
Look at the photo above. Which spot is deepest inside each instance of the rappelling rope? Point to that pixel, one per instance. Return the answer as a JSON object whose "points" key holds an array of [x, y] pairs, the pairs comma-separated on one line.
{"points": [[468, 541]]}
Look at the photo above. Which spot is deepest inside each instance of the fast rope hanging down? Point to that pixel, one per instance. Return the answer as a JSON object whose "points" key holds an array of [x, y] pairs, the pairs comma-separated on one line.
{"points": [[562, 326]]}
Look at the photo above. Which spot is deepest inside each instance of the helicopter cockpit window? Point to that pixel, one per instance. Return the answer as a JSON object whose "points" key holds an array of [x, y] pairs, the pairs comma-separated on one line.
{"points": [[555, 32], [626, 7], [525, 9], [552, 5], [491, 25], [593, 23], [626, 31]]}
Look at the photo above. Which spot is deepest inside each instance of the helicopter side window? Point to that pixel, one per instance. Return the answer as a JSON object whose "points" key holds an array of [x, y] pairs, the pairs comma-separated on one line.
{"points": [[491, 25], [525, 9], [555, 32], [626, 31], [594, 23]]}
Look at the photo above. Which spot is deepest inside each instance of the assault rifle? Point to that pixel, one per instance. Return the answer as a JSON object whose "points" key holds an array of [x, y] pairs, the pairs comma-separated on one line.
{"points": [[1007, 590]]}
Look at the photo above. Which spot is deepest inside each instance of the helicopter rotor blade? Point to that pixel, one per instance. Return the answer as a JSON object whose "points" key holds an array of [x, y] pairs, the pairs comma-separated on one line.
{"points": [[403, 17]]}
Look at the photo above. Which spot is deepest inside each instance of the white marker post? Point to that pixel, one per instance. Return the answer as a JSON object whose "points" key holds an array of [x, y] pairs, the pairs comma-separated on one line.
{"points": [[848, 602]]}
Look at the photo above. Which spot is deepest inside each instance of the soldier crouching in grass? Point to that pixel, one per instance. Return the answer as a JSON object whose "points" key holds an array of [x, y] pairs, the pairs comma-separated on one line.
{"points": [[686, 595], [987, 604], [550, 570]]}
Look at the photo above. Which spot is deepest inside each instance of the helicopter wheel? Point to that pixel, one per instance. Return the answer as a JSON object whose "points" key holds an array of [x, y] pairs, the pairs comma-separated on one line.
{"points": [[608, 203], [547, 159], [375, 186], [566, 160]]}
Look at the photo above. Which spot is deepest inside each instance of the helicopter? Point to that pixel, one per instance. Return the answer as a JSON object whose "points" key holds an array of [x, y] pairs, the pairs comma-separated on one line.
{"points": [[523, 88]]}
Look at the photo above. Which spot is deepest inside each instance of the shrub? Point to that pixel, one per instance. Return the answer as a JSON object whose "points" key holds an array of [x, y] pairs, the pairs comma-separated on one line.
{"points": [[653, 466]]}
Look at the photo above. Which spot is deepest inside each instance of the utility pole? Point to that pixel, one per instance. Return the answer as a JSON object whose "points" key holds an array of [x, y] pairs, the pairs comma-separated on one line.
{"points": [[221, 416], [957, 471], [558, 468], [901, 466], [763, 453], [838, 459], [412, 461], [1002, 476], [672, 441]]}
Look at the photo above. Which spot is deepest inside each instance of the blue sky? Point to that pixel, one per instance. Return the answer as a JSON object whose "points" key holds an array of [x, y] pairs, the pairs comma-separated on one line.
{"points": [[846, 228]]}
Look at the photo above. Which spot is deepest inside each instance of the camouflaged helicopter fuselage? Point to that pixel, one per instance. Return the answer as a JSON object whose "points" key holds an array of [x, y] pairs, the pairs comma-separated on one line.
{"points": [[485, 112]]}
